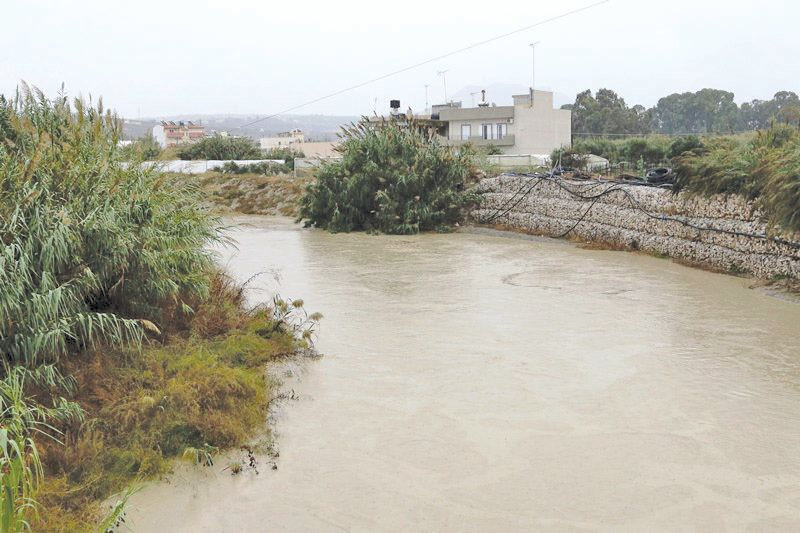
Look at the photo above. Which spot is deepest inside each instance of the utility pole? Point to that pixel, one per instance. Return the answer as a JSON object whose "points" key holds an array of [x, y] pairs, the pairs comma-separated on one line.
{"points": [[444, 82], [533, 70], [426, 97]]}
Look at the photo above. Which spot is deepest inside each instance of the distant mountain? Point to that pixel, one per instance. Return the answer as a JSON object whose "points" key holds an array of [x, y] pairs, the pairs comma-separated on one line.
{"points": [[315, 127]]}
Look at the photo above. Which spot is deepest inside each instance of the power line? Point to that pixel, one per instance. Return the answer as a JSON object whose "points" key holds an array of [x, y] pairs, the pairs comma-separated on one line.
{"points": [[427, 61]]}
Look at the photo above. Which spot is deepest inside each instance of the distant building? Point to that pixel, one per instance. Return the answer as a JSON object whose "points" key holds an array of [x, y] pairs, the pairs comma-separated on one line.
{"points": [[519, 129], [170, 133], [282, 140], [317, 149]]}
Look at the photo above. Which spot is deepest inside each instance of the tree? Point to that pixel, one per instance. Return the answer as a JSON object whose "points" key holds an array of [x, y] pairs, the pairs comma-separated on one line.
{"points": [[758, 114], [145, 148], [705, 111], [790, 114], [607, 113], [219, 147]]}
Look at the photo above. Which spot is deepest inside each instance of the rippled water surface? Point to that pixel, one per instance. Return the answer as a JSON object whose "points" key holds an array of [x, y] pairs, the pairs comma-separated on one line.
{"points": [[487, 383]]}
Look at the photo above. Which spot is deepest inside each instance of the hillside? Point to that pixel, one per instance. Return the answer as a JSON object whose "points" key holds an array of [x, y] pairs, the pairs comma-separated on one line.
{"points": [[316, 127]]}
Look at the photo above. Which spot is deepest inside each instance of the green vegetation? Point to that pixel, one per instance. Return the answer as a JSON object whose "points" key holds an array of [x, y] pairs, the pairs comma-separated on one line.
{"points": [[145, 148], [606, 113], [701, 112], [393, 178], [263, 168], [201, 389], [106, 280], [287, 154], [249, 194], [638, 152], [764, 168], [219, 147]]}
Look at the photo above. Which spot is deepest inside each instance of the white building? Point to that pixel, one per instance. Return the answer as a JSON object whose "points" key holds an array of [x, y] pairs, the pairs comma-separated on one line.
{"points": [[169, 133], [524, 128], [282, 140]]}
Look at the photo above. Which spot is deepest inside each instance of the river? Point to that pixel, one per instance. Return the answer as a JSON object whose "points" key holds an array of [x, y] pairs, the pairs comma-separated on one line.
{"points": [[481, 382]]}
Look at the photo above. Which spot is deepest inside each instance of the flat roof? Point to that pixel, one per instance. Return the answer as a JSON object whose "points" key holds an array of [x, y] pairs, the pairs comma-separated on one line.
{"points": [[476, 113]]}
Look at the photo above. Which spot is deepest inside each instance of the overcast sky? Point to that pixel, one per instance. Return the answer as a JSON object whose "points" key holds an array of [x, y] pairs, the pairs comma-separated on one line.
{"points": [[156, 58]]}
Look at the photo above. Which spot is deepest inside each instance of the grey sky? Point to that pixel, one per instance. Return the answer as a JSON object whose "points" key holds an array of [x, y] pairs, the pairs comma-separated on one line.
{"points": [[168, 57]]}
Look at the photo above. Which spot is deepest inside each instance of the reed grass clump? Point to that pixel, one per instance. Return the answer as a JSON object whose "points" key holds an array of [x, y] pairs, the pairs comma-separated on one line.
{"points": [[764, 168], [122, 345], [201, 390], [394, 177], [93, 251]]}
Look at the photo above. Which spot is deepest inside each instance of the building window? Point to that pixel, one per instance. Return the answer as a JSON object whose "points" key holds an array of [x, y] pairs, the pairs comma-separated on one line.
{"points": [[488, 131], [466, 131], [502, 130]]}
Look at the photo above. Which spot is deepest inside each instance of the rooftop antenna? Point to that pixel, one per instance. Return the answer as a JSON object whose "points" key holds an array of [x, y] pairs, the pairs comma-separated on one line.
{"points": [[426, 97], [444, 82], [533, 69]]}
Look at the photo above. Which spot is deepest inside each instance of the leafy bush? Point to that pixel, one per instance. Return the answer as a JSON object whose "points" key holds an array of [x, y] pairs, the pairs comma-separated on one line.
{"points": [[765, 168], [651, 150], [392, 178], [264, 168], [145, 148], [680, 145], [219, 147], [287, 154]]}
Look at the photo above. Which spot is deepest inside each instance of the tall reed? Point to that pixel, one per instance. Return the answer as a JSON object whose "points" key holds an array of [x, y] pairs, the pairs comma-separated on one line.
{"points": [[91, 250]]}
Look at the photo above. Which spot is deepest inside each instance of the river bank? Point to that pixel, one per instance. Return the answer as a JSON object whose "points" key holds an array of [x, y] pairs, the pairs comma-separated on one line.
{"points": [[724, 233], [248, 194], [199, 392], [477, 382], [610, 223]]}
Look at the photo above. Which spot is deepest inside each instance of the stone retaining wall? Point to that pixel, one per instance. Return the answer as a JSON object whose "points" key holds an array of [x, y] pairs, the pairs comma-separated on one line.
{"points": [[632, 216]]}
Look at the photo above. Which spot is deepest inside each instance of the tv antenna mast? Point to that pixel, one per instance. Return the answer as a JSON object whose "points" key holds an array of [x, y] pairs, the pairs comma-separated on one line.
{"points": [[444, 82], [426, 97]]}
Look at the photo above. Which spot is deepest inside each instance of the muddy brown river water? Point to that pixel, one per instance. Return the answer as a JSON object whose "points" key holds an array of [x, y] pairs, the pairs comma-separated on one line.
{"points": [[476, 382]]}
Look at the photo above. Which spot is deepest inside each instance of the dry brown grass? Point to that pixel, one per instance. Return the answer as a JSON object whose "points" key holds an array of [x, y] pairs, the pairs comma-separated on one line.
{"points": [[201, 385], [251, 194]]}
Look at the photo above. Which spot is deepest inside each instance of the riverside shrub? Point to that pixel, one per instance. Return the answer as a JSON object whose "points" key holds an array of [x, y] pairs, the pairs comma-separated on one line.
{"points": [[393, 178], [119, 337], [94, 255], [764, 168]]}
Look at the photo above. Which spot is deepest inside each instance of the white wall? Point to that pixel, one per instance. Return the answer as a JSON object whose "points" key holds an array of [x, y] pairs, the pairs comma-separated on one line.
{"points": [[159, 135], [540, 129], [203, 165]]}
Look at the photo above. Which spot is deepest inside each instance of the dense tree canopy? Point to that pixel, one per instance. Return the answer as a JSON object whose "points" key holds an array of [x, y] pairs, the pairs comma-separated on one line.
{"points": [[607, 113], [219, 147], [704, 111]]}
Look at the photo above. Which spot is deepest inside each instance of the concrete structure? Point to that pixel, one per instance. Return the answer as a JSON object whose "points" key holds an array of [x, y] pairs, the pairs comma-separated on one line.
{"points": [[720, 232], [170, 133], [199, 166], [296, 141], [519, 129], [282, 140], [317, 149]]}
